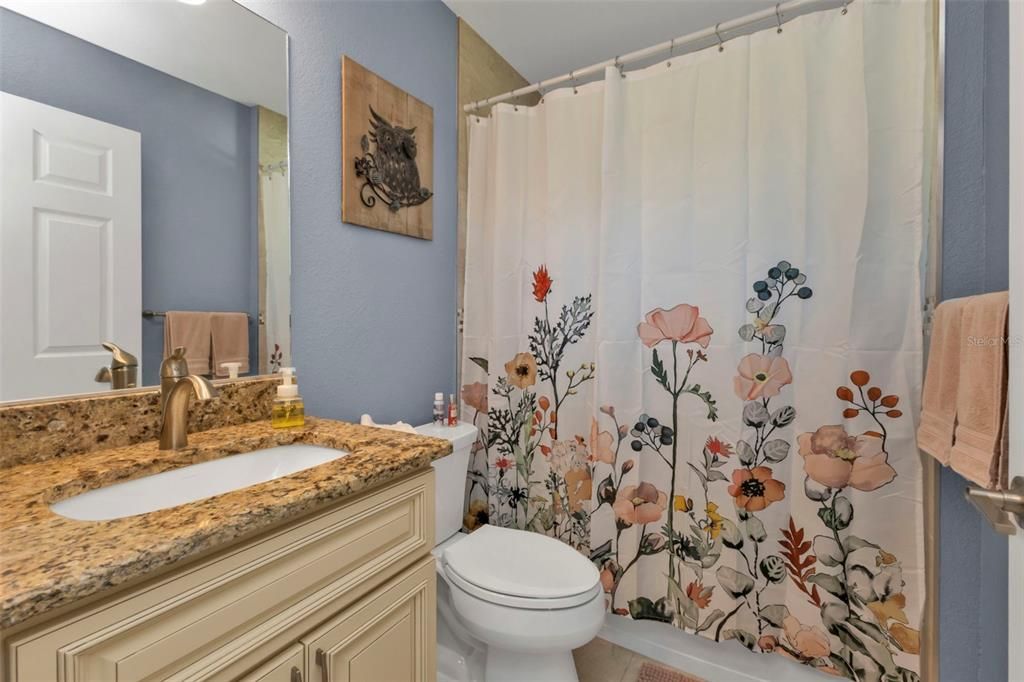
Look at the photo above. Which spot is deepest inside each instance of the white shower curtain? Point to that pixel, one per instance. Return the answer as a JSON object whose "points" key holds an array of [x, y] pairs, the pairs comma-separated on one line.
{"points": [[693, 335], [276, 221]]}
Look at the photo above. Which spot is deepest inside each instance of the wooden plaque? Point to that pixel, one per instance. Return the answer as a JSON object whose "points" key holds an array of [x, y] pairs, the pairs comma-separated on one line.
{"points": [[387, 149]]}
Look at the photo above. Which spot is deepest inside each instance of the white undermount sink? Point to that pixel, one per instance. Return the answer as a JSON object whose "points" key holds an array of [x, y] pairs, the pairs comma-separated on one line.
{"points": [[196, 482]]}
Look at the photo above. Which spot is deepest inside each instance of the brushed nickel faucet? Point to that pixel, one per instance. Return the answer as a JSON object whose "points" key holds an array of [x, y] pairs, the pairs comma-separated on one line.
{"points": [[176, 389], [173, 369], [123, 370]]}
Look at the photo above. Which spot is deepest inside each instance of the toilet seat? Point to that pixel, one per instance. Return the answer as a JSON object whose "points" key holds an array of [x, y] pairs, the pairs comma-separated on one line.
{"points": [[520, 569], [529, 603]]}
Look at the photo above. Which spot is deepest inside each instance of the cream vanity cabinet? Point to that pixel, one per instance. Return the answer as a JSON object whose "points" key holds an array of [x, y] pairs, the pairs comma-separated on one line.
{"points": [[346, 594]]}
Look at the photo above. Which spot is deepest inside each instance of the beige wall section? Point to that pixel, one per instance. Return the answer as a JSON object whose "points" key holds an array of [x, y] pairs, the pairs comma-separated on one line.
{"points": [[483, 73], [273, 136]]}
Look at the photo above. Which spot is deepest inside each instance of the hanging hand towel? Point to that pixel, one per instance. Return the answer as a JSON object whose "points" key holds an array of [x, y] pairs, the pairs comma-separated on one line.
{"points": [[230, 341], [938, 402], [190, 329], [978, 448]]}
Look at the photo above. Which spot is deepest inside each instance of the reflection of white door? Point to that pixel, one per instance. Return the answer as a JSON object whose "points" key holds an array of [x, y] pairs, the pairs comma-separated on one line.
{"points": [[70, 247]]}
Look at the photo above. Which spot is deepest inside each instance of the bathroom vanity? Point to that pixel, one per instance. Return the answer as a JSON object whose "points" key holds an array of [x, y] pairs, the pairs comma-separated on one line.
{"points": [[324, 574]]}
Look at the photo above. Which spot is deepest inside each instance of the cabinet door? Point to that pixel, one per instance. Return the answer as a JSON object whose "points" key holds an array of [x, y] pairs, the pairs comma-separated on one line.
{"points": [[387, 637], [287, 666]]}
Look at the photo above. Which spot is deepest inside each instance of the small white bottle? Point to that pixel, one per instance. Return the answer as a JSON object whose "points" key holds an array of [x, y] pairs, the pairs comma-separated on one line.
{"points": [[439, 415]]}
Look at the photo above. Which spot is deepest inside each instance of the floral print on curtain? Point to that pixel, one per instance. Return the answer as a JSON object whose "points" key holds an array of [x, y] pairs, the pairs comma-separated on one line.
{"points": [[721, 561], [519, 420], [693, 340]]}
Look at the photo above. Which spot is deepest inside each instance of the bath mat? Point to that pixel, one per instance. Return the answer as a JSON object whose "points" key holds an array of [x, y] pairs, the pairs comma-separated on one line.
{"points": [[650, 672]]}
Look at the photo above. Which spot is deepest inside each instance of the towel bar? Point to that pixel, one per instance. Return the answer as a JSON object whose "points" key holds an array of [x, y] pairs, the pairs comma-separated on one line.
{"points": [[1000, 508], [159, 313]]}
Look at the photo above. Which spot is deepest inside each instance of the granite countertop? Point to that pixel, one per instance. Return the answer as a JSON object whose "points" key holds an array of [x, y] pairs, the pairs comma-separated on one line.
{"points": [[48, 561]]}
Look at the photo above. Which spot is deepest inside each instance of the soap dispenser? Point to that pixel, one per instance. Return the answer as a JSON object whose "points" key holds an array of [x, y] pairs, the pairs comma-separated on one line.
{"points": [[288, 409]]}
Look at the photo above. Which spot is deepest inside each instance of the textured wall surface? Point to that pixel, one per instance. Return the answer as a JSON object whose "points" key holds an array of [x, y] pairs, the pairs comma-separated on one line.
{"points": [[373, 314], [198, 167], [972, 557]]}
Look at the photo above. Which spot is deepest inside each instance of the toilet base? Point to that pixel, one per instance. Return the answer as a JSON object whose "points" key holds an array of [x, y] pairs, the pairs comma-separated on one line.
{"points": [[515, 666]]}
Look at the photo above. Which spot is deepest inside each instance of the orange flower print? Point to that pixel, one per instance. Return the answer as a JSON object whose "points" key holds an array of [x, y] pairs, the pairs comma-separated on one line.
{"points": [[640, 503], [541, 284], [522, 370], [754, 489], [836, 459], [761, 376], [475, 395], [718, 447], [682, 323], [699, 595], [808, 641]]}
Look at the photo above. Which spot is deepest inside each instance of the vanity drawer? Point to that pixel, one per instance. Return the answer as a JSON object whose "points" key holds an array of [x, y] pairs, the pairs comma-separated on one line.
{"points": [[260, 595]]}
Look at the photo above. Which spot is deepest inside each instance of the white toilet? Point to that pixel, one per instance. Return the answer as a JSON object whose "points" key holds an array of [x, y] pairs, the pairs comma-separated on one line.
{"points": [[511, 605]]}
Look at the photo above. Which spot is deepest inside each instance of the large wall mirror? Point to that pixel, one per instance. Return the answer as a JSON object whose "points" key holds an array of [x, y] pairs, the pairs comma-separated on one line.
{"points": [[143, 171]]}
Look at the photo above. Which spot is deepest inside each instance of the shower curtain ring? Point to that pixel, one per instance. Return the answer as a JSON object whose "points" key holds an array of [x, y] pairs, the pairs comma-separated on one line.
{"points": [[671, 49], [541, 91], [721, 43], [620, 67], [778, 17], [572, 77], [845, 3]]}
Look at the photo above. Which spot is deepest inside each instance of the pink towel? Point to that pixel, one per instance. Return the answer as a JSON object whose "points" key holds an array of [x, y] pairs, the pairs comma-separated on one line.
{"points": [[979, 449], [230, 341], [190, 329], [941, 381]]}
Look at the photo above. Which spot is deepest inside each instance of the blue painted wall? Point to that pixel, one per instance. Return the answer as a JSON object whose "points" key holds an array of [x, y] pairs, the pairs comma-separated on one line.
{"points": [[973, 558], [373, 313], [198, 168]]}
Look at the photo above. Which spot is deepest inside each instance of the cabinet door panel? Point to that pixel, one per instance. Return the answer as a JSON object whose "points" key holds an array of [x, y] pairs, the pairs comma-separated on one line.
{"points": [[387, 637]]}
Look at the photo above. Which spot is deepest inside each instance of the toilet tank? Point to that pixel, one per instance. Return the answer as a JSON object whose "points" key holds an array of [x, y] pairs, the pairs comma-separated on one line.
{"points": [[450, 477]]}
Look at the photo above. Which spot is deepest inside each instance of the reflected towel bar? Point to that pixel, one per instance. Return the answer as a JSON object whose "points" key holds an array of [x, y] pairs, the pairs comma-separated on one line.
{"points": [[160, 313]]}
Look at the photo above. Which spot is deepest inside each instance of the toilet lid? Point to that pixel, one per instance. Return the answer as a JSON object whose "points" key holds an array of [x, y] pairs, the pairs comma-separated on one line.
{"points": [[521, 564]]}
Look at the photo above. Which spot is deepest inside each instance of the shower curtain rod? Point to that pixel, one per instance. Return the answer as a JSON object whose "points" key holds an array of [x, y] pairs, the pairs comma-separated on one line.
{"points": [[726, 30]]}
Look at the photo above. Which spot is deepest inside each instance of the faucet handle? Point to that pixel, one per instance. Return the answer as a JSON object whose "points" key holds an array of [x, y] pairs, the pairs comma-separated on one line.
{"points": [[121, 357], [103, 376], [174, 365]]}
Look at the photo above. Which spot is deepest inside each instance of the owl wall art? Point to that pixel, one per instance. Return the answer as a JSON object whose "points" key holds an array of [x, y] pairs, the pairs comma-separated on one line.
{"points": [[388, 155]]}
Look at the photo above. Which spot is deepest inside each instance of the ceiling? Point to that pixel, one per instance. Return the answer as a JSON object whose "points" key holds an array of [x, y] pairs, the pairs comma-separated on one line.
{"points": [[546, 38], [219, 46]]}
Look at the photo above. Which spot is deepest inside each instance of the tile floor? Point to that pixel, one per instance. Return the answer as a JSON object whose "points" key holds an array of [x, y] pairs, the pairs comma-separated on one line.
{"points": [[602, 661]]}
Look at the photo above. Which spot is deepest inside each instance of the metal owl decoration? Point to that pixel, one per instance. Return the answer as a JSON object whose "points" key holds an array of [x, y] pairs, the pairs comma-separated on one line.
{"points": [[390, 170]]}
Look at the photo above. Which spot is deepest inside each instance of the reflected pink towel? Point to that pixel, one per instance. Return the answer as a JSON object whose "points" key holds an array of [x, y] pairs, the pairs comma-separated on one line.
{"points": [[941, 381], [190, 329], [979, 449], [230, 333]]}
